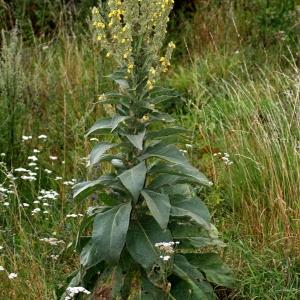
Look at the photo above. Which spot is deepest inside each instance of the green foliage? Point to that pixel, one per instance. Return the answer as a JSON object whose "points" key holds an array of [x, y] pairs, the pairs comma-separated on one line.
{"points": [[43, 18], [143, 233], [11, 88]]}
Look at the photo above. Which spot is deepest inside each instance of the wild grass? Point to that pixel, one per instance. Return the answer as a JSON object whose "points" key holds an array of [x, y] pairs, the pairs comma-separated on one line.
{"points": [[252, 118]]}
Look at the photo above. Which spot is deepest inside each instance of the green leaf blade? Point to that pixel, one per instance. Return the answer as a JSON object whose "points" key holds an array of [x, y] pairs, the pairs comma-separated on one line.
{"points": [[159, 206], [134, 179]]}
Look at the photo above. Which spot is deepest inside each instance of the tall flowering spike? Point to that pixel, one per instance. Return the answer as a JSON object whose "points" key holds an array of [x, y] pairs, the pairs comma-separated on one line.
{"points": [[131, 31]]}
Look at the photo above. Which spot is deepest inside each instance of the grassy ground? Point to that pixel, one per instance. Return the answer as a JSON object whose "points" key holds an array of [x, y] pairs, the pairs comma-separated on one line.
{"points": [[244, 108]]}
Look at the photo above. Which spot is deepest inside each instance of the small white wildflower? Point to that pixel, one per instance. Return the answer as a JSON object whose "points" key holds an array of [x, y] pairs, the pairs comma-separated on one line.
{"points": [[165, 258], [53, 157], [21, 170], [29, 178], [68, 183], [12, 276], [52, 241], [33, 158], [35, 211], [32, 164], [2, 154], [73, 291], [3, 190], [58, 178], [25, 204], [46, 212], [48, 171], [26, 137], [189, 145], [6, 203], [210, 183], [54, 257], [1, 247], [71, 216], [36, 151], [2, 268], [42, 137], [36, 202]]}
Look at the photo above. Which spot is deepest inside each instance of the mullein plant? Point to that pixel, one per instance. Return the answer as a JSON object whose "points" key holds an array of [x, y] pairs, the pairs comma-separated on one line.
{"points": [[149, 236]]}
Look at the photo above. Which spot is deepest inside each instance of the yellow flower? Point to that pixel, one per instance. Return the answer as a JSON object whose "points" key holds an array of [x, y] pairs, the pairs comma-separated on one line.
{"points": [[149, 85], [95, 11], [145, 118], [130, 68], [152, 71], [172, 45], [102, 97]]}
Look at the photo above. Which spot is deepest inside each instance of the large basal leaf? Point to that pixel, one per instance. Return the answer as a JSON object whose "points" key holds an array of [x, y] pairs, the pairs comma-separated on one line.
{"points": [[134, 179], [141, 239], [137, 140], [98, 152], [213, 267], [166, 152], [108, 237], [193, 208], [183, 170], [159, 206], [108, 123], [85, 189], [150, 291], [199, 289]]}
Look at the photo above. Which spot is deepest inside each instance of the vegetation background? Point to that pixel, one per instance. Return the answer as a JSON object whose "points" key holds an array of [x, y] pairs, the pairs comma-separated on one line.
{"points": [[237, 66]]}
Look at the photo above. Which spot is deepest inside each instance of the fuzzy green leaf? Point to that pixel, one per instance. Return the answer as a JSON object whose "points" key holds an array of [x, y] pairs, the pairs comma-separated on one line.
{"points": [[134, 179], [84, 189], [199, 290], [214, 269], [159, 206], [106, 124], [98, 152], [137, 140], [166, 152], [141, 239], [184, 170], [108, 237], [193, 208]]}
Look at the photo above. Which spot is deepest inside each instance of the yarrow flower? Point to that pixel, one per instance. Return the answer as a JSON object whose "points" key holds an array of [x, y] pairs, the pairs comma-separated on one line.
{"points": [[12, 276], [73, 291]]}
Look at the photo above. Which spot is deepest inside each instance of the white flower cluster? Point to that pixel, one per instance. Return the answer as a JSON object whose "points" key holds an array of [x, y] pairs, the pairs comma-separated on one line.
{"points": [[73, 291], [74, 216], [52, 241], [225, 157], [26, 138], [47, 195], [30, 175], [10, 276], [167, 249], [70, 182]]}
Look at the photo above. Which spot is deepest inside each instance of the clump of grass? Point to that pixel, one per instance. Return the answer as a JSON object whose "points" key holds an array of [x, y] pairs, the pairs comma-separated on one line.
{"points": [[248, 127]]}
